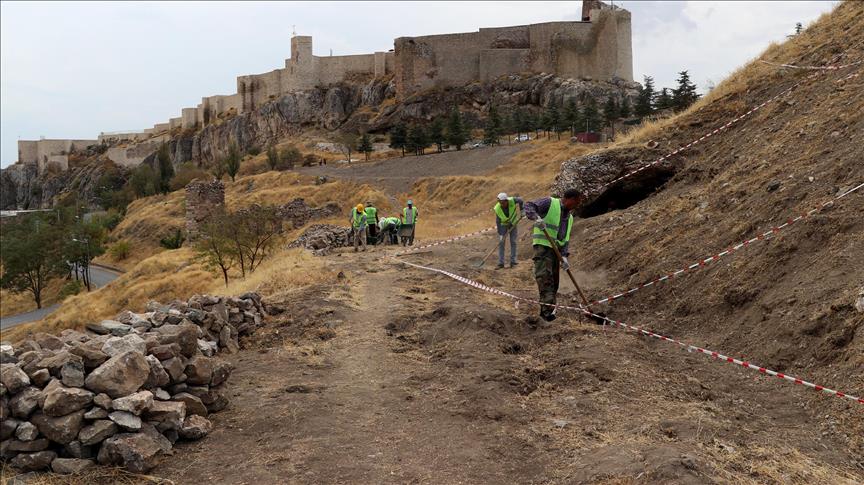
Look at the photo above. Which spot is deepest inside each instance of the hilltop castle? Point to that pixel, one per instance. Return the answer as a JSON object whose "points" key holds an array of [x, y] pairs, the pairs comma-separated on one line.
{"points": [[597, 47]]}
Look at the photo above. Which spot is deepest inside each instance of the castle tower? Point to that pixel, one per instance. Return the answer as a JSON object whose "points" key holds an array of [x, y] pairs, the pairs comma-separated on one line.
{"points": [[588, 6], [301, 50]]}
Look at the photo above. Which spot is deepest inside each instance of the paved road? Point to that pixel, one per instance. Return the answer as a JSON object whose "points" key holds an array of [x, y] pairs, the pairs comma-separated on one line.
{"points": [[100, 276]]}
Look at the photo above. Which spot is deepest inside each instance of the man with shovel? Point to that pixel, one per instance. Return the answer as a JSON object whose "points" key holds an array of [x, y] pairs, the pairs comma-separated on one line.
{"points": [[553, 221], [506, 219]]}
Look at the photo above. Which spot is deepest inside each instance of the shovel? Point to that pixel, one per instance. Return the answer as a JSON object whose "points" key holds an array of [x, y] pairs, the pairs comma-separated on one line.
{"points": [[483, 261], [598, 317]]}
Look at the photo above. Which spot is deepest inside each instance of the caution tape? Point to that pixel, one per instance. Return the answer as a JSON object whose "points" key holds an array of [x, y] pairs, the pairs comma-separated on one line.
{"points": [[716, 257], [823, 68], [690, 348]]}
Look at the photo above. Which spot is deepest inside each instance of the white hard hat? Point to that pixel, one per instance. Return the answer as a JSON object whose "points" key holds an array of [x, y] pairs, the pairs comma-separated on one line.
{"points": [[502, 196]]}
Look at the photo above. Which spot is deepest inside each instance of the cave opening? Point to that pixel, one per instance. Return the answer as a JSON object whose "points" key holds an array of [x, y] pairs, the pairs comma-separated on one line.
{"points": [[627, 192]]}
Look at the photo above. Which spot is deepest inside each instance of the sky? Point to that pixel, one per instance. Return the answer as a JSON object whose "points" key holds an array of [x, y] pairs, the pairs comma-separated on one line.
{"points": [[75, 69]]}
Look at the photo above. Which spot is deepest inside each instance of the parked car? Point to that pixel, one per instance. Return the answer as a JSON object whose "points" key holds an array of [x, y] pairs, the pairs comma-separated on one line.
{"points": [[478, 145], [522, 138]]}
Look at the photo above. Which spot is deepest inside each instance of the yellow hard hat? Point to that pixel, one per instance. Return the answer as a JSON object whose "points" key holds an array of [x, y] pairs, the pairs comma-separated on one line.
{"points": [[360, 208]]}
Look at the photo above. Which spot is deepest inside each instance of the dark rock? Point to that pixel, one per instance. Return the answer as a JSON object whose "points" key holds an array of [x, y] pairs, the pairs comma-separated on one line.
{"points": [[48, 341], [40, 377], [69, 466], [137, 452], [120, 375], [8, 427], [166, 414], [97, 432], [96, 413], [195, 427], [62, 429], [134, 403], [194, 406], [27, 432], [77, 450], [33, 461], [174, 367], [165, 352], [186, 336], [25, 402], [62, 400], [126, 420], [29, 446], [92, 358], [199, 370], [157, 377], [102, 400], [13, 378], [773, 185], [221, 371]]}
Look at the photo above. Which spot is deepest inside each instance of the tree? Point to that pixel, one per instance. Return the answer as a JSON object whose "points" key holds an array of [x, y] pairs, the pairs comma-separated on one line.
{"points": [[398, 137], [417, 140], [508, 125], [272, 157], [347, 143], [255, 231], [570, 115], [610, 111], [232, 162], [645, 101], [365, 145], [31, 253], [456, 133], [492, 130], [83, 241], [664, 100], [624, 110], [166, 169], [289, 157], [685, 94], [553, 117], [174, 241], [799, 27], [590, 115], [218, 169], [144, 181], [215, 247], [436, 133]]}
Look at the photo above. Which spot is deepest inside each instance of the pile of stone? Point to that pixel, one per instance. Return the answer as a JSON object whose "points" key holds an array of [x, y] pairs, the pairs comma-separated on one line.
{"points": [[298, 213], [323, 238], [123, 392]]}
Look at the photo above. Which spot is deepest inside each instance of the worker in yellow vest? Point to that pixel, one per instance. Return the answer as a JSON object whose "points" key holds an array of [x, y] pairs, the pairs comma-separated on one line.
{"points": [[555, 216], [358, 226], [506, 218], [408, 224], [372, 222]]}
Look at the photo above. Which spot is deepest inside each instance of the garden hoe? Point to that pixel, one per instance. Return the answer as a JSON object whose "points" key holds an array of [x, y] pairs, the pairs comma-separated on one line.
{"points": [[598, 317], [483, 261]]}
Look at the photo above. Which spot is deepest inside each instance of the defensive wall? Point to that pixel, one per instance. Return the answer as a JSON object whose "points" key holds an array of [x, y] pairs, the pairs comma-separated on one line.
{"points": [[597, 47]]}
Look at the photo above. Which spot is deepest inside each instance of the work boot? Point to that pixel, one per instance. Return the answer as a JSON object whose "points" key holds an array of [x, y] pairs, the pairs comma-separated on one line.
{"points": [[512, 264], [548, 316], [500, 266]]}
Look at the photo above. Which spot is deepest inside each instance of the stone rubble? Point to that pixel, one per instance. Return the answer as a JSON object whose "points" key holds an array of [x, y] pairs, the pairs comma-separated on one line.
{"points": [[321, 239], [125, 391]]}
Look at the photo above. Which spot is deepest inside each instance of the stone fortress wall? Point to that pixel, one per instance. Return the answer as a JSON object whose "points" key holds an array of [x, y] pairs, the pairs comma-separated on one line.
{"points": [[597, 47]]}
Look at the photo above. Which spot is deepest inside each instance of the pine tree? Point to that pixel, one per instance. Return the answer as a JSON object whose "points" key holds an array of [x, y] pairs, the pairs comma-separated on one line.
{"points": [[664, 100], [685, 94], [590, 115], [507, 126], [232, 162], [624, 110], [417, 140], [398, 137], [457, 135], [436, 133], [529, 121], [518, 122], [610, 111], [492, 130], [166, 168], [571, 115], [645, 101], [554, 119], [365, 145]]}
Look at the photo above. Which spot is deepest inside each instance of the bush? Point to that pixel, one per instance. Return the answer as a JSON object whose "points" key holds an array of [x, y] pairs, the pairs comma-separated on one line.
{"points": [[144, 181], [186, 173], [173, 242], [110, 220], [119, 250], [289, 157], [71, 288], [310, 160], [254, 151]]}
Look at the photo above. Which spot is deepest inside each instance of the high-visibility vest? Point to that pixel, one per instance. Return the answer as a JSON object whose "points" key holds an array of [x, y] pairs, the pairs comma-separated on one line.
{"points": [[371, 215], [553, 217], [508, 219], [413, 216], [358, 219], [390, 222]]}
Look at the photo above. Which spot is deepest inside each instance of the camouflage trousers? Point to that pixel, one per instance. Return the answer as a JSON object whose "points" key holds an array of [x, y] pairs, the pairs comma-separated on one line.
{"points": [[546, 272]]}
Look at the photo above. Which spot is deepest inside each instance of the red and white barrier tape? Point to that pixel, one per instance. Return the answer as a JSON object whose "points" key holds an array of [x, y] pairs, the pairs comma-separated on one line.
{"points": [[445, 241], [824, 68], [690, 348], [743, 244]]}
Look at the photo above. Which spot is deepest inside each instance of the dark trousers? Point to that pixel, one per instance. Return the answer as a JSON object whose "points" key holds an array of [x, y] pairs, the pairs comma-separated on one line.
{"points": [[372, 233], [546, 272]]}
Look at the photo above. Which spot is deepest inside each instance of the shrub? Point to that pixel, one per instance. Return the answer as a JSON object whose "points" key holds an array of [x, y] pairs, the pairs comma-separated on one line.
{"points": [[71, 288], [173, 242], [186, 173], [254, 150], [289, 157], [310, 160], [119, 250]]}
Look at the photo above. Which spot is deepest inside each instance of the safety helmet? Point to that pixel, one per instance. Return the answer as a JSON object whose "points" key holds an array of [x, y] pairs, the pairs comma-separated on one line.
{"points": [[410, 202], [360, 208], [502, 196]]}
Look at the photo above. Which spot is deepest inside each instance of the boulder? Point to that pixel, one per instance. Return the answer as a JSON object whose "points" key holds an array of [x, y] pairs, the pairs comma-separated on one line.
{"points": [[161, 394], [185, 336], [56, 362], [199, 370], [8, 427], [194, 406], [69, 466], [119, 345], [96, 413], [97, 432], [27, 432], [33, 461], [166, 414], [212, 397], [120, 375], [174, 367], [30, 446], [62, 400], [157, 377], [221, 371], [102, 400], [40, 377], [195, 427], [111, 327], [13, 378], [137, 452], [164, 443], [48, 341], [61, 429], [207, 348], [25, 402], [77, 450], [92, 357], [126, 420], [72, 373], [134, 403], [165, 352], [71, 336]]}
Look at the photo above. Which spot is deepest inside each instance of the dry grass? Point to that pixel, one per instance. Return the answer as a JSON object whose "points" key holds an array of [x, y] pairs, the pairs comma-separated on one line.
{"points": [[15, 303], [95, 476]]}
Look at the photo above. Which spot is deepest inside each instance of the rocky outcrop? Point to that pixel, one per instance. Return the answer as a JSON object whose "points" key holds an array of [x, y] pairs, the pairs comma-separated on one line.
{"points": [[127, 410], [323, 238]]}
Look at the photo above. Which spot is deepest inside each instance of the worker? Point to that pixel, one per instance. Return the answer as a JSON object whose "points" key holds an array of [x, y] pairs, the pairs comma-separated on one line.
{"points": [[372, 222], [409, 224], [358, 226], [506, 218], [555, 216], [389, 228]]}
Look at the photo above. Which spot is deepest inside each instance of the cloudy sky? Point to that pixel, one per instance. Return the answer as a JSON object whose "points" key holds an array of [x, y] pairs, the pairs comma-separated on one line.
{"points": [[71, 70]]}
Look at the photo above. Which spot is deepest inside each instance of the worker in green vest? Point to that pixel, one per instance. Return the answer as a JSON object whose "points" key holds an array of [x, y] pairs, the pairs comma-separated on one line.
{"points": [[506, 218], [389, 227], [409, 224], [358, 226], [371, 222], [556, 217]]}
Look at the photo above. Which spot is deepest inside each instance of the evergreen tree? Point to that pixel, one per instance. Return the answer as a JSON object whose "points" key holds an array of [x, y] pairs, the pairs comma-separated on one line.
{"points": [[492, 130], [610, 111], [590, 115], [232, 162], [457, 135], [554, 118], [417, 140], [436, 133], [507, 125], [624, 110], [529, 121], [645, 101], [398, 137], [166, 168], [685, 94], [518, 121], [664, 100], [365, 145], [571, 115]]}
